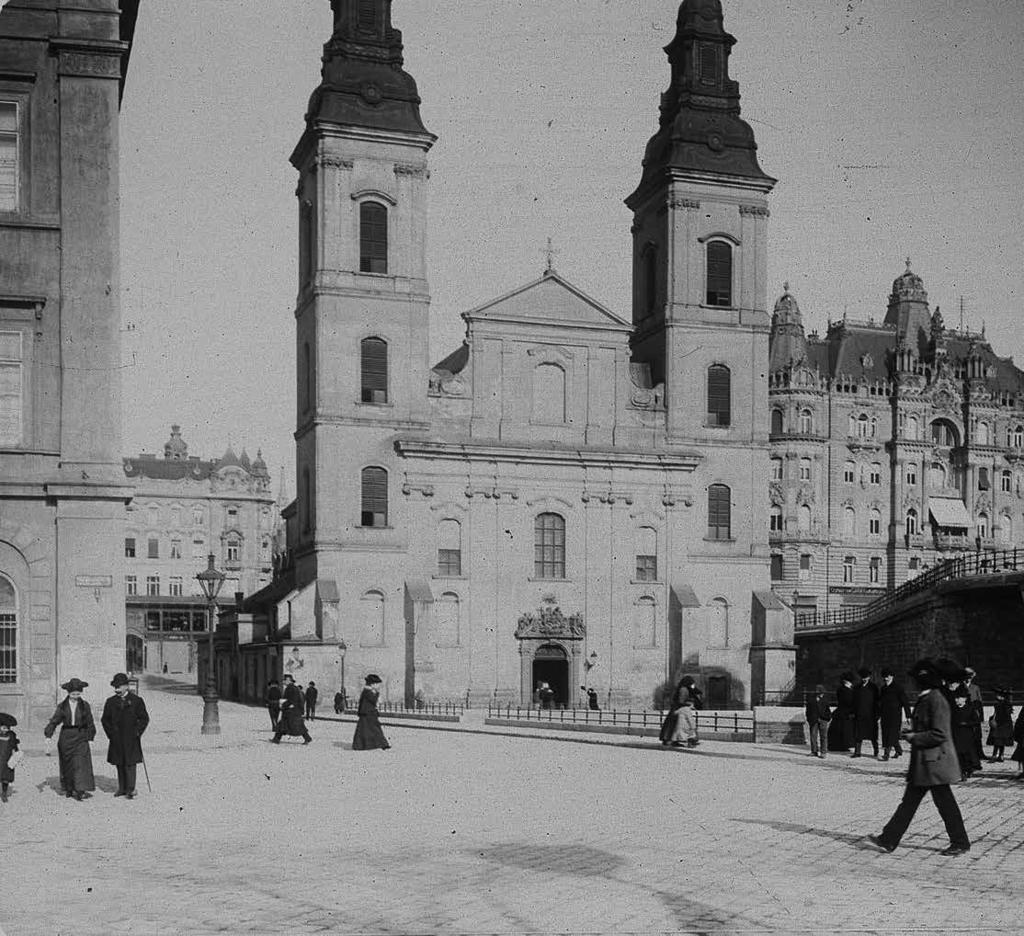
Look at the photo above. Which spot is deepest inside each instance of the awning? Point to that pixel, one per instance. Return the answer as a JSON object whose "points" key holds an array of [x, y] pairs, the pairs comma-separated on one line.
{"points": [[949, 512]]}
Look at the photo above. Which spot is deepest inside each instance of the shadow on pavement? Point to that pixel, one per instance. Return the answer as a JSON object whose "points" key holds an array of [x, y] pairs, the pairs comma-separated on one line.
{"points": [[847, 838]]}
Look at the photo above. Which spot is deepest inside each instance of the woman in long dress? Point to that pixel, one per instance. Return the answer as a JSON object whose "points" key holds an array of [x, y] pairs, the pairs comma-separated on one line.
{"points": [[369, 734], [77, 730]]}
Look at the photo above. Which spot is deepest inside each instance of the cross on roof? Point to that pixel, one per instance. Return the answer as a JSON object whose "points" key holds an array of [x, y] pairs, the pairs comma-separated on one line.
{"points": [[549, 252]]}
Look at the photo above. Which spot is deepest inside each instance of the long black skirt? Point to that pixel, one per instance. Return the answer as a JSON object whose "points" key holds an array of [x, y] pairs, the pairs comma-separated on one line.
{"points": [[369, 735]]}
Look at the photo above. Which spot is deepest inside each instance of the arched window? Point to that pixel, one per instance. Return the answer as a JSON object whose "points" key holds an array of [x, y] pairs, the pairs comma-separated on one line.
{"points": [[937, 475], [371, 619], [944, 433], [863, 429], [449, 548], [719, 512], [911, 525], [983, 525], [645, 622], [804, 518], [718, 622], [719, 396], [549, 546], [719, 274], [875, 473], [647, 555], [375, 497], [373, 356], [1018, 437], [849, 521], [776, 469], [373, 238], [549, 394], [849, 472], [776, 427], [913, 429], [233, 549], [447, 620], [911, 475], [875, 522], [775, 520], [806, 422], [981, 433], [8, 632], [849, 566], [805, 469]]}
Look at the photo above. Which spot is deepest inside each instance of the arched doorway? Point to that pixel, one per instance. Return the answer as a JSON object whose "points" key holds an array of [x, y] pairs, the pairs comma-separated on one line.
{"points": [[551, 665]]}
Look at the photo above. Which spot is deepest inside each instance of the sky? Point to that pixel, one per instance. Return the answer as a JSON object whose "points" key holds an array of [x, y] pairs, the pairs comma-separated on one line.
{"points": [[895, 130]]}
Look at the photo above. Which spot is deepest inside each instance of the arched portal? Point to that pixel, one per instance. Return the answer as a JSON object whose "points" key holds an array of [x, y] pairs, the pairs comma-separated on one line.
{"points": [[551, 666]]}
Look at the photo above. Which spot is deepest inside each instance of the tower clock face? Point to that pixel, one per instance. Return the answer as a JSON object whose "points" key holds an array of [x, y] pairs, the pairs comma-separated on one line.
{"points": [[371, 93], [715, 143]]}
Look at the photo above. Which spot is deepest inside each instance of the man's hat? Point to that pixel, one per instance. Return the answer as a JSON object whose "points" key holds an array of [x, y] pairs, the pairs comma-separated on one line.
{"points": [[74, 684], [863, 672], [9, 720], [926, 673], [887, 672], [819, 689], [120, 679]]}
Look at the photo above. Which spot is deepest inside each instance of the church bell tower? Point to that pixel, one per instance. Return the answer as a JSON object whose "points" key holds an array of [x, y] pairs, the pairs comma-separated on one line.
{"points": [[361, 313], [700, 218]]}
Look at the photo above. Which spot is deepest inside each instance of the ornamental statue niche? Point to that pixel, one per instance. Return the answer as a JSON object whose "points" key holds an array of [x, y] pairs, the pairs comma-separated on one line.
{"points": [[548, 622]]}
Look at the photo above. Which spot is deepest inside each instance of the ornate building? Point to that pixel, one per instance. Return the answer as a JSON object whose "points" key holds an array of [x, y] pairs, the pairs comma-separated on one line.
{"points": [[184, 510], [567, 497], [62, 490], [893, 446]]}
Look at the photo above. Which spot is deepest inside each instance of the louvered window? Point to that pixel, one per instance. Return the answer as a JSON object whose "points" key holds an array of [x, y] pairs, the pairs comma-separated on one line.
{"points": [[374, 358], [549, 547], [375, 497], [8, 156], [719, 512], [12, 381], [719, 396], [708, 62], [373, 238], [368, 14], [719, 291]]}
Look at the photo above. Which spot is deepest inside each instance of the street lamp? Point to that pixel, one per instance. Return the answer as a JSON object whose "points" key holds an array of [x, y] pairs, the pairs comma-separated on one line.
{"points": [[210, 581], [342, 647]]}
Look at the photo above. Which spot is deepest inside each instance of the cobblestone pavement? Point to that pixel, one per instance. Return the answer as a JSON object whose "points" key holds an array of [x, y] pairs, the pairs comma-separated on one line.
{"points": [[461, 832]]}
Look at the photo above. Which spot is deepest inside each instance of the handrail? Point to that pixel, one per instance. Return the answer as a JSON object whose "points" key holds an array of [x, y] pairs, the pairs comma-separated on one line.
{"points": [[974, 563], [732, 720]]}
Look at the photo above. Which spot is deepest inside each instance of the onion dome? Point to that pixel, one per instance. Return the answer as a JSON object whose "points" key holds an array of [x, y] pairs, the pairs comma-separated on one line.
{"points": [[787, 344], [259, 466], [908, 308]]}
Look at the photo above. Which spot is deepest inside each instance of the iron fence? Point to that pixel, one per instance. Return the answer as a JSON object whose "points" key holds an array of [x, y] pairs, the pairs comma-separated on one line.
{"points": [[423, 708], [974, 563], [724, 721]]}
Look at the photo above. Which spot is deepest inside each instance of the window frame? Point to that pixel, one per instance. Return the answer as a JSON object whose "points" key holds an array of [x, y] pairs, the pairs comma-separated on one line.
{"points": [[10, 634], [719, 508], [374, 239], [374, 370], [549, 554], [17, 137], [374, 489], [718, 271]]}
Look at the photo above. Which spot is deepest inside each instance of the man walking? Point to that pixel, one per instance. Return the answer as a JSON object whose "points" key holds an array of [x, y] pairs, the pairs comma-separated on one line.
{"points": [[865, 712], [892, 705], [933, 765], [273, 702], [291, 722], [124, 720], [975, 702]]}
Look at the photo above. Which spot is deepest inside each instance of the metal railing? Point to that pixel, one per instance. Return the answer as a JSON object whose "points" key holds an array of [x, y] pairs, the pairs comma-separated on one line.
{"points": [[974, 563], [422, 708], [724, 721]]}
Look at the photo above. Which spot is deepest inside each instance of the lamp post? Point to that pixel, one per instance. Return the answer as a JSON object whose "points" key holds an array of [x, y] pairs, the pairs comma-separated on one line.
{"points": [[210, 581], [342, 647]]}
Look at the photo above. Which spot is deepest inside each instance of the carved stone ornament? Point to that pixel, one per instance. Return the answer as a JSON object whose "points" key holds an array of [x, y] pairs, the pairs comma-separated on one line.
{"points": [[757, 210], [548, 622], [334, 162], [677, 202]]}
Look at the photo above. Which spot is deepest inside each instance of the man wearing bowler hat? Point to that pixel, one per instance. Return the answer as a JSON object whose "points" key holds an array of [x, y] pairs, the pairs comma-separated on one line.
{"points": [[933, 765], [124, 720]]}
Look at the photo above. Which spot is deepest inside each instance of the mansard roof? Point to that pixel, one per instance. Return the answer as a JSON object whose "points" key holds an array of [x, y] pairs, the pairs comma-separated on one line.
{"points": [[550, 300], [860, 351]]}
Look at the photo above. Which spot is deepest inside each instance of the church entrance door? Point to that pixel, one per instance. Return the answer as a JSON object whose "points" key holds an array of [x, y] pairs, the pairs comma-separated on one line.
{"points": [[551, 665]]}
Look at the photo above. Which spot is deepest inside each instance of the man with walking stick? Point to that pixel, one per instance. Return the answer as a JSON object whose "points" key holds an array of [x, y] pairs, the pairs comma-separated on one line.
{"points": [[124, 720]]}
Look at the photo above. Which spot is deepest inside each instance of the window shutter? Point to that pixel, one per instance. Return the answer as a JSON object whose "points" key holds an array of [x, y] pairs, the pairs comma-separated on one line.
{"points": [[719, 274], [374, 354], [375, 497], [373, 238], [719, 396]]}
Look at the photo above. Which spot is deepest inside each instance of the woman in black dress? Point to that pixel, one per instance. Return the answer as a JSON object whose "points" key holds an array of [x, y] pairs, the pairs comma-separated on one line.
{"points": [[77, 729], [369, 735]]}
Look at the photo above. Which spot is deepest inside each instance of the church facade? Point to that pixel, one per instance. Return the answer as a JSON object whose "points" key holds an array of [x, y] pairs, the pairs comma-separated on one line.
{"points": [[571, 496], [894, 445]]}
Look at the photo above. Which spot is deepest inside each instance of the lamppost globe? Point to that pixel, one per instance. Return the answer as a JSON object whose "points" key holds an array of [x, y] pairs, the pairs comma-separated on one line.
{"points": [[210, 581]]}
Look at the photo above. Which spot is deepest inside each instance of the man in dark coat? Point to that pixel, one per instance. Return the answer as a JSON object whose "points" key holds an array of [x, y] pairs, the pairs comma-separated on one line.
{"points": [[975, 702], [124, 720], [840, 729], [291, 722], [818, 716], [273, 702], [865, 712], [933, 765], [892, 706], [312, 694]]}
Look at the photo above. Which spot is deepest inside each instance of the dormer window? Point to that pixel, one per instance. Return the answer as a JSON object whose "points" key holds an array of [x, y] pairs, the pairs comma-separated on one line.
{"points": [[707, 64]]}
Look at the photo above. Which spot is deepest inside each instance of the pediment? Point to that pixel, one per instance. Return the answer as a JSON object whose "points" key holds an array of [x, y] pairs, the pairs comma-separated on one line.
{"points": [[552, 301]]}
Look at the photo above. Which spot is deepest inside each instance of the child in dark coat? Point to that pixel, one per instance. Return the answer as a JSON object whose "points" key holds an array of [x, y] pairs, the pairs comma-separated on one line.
{"points": [[8, 748]]}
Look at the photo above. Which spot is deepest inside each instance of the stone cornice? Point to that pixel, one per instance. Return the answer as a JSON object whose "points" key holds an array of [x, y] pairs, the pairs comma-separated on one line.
{"points": [[530, 455]]}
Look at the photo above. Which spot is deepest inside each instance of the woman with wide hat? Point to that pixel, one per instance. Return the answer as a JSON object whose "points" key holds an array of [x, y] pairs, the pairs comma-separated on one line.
{"points": [[369, 734], [124, 720], [77, 730]]}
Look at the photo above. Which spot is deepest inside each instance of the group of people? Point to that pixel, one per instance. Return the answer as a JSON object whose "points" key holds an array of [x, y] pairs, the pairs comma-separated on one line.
{"points": [[862, 708], [679, 729], [289, 707], [124, 720]]}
